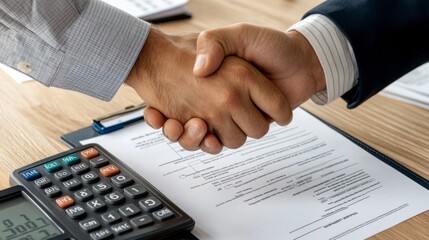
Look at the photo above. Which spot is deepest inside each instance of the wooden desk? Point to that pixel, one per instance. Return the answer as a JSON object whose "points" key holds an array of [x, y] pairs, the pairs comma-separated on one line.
{"points": [[33, 117]]}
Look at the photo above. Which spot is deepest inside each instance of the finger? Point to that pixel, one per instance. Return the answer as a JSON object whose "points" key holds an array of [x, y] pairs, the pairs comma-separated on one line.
{"points": [[245, 113], [172, 130], [270, 100], [229, 134], [212, 47], [210, 55], [268, 118], [154, 118], [194, 131], [211, 144], [250, 120]]}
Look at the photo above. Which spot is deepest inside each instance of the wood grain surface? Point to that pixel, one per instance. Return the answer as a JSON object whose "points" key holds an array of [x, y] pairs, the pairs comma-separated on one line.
{"points": [[33, 117]]}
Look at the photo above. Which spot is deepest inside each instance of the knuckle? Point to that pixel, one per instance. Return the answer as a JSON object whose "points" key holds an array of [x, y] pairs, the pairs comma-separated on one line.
{"points": [[205, 34], [230, 99], [241, 26], [241, 75], [243, 72]]}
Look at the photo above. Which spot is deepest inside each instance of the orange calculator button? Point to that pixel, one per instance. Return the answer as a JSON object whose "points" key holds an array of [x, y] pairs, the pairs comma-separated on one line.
{"points": [[64, 201], [89, 153], [109, 170]]}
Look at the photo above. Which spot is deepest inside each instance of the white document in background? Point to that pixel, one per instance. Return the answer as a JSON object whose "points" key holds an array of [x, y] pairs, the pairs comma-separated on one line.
{"points": [[15, 74], [303, 181], [151, 9], [412, 88]]}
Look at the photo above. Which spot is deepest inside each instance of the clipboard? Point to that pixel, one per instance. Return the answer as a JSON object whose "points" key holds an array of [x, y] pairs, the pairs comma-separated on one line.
{"points": [[105, 124], [73, 139]]}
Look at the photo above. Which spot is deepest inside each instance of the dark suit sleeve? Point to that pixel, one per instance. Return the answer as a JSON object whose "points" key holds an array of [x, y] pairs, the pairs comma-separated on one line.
{"points": [[389, 39]]}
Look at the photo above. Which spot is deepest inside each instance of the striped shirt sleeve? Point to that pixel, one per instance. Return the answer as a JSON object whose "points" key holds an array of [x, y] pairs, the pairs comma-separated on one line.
{"points": [[334, 53]]}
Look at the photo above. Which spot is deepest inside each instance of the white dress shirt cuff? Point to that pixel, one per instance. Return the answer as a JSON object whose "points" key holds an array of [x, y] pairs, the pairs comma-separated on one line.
{"points": [[334, 53]]}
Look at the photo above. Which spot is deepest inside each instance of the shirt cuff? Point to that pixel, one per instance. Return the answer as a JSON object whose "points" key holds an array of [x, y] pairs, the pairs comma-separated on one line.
{"points": [[102, 48], [334, 53]]}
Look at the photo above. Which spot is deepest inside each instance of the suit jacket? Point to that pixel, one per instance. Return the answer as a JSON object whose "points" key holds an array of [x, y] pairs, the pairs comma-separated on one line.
{"points": [[389, 39]]}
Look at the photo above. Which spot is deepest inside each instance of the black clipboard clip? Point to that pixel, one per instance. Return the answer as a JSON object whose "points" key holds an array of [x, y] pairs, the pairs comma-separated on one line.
{"points": [[117, 120]]}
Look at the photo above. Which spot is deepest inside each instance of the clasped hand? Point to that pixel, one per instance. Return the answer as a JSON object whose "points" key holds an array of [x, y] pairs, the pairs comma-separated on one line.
{"points": [[226, 85]]}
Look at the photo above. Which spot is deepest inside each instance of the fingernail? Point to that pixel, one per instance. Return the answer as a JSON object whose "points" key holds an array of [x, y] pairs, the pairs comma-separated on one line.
{"points": [[194, 131], [148, 123], [165, 135], [207, 144], [200, 62]]}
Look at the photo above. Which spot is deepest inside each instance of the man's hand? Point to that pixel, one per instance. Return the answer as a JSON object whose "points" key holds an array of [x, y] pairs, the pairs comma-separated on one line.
{"points": [[286, 58], [233, 101]]}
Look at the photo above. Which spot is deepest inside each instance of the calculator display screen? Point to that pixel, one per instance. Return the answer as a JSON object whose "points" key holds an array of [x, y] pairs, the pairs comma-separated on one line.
{"points": [[21, 219]]}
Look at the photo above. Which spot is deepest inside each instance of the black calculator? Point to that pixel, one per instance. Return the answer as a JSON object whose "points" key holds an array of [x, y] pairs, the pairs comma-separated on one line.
{"points": [[86, 193]]}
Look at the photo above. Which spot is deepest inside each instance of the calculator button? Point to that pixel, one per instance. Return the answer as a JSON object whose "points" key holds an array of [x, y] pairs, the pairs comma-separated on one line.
{"points": [[89, 153], [80, 168], [98, 162], [63, 175], [121, 228], [129, 210], [102, 188], [71, 159], [42, 182], [90, 177], [109, 170], [72, 184], [150, 204], [64, 201], [102, 234], [96, 205], [52, 166], [111, 217], [31, 174], [136, 191], [76, 212], [53, 191], [89, 224], [114, 198], [163, 214], [83, 195], [141, 221], [122, 180]]}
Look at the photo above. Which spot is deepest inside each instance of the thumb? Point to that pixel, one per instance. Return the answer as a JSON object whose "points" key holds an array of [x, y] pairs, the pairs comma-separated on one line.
{"points": [[212, 47], [210, 54]]}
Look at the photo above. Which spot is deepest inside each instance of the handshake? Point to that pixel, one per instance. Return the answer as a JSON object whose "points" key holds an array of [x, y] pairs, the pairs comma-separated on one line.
{"points": [[223, 85]]}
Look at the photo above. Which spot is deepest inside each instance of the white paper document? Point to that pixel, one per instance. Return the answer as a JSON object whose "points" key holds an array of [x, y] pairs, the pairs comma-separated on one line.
{"points": [[302, 181], [412, 88], [151, 9], [15, 74]]}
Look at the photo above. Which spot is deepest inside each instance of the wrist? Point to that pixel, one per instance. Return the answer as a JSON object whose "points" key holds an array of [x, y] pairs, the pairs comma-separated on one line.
{"points": [[142, 70], [164, 63], [313, 64]]}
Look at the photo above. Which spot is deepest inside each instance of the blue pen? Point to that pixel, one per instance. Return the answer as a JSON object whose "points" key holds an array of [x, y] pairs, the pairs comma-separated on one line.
{"points": [[118, 120]]}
